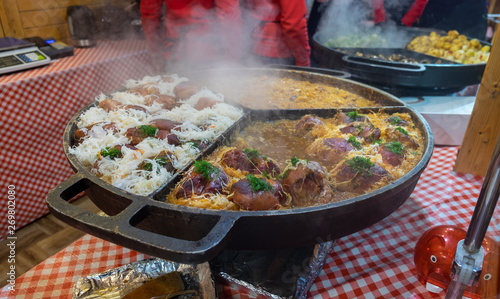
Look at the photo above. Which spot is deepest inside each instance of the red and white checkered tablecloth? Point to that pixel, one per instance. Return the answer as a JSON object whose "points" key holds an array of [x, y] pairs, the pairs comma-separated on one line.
{"points": [[35, 108], [376, 262]]}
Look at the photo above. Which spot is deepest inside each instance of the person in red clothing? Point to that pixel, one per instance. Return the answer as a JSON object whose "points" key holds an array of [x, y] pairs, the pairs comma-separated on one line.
{"points": [[468, 17], [196, 34], [279, 31]]}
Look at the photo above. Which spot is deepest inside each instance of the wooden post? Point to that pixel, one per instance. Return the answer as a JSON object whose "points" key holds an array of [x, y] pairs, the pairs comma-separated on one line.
{"points": [[484, 124]]}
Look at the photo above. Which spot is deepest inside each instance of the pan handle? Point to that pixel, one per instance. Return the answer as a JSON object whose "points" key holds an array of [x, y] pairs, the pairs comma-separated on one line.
{"points": [[356, 63], [119, 230]]}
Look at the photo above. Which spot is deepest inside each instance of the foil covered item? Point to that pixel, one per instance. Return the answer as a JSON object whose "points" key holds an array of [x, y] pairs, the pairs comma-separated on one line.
{"points": [[117, 282]]}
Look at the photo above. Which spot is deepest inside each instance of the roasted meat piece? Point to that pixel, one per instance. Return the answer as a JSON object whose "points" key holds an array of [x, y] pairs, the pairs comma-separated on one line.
{"points": [[396, 120], [185, 90], [202, 178], [401, 135], [329, 151], [81, 133], [146, 89], [392, 153], [164, 124], [250, 160], [349, 117], [205, 102], [358, 175], [307, 123], [307, 185], [257, 194], [365, 130], [109, 105], [138, 134], [166, 102]]}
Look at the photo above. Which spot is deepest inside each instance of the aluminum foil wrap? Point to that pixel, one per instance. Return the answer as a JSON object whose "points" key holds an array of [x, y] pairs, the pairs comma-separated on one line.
{"points": [[117, 282], [274, 274]]}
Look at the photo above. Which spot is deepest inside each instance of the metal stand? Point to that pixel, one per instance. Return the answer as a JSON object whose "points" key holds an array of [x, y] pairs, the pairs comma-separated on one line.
{"points": [[469, 256]]}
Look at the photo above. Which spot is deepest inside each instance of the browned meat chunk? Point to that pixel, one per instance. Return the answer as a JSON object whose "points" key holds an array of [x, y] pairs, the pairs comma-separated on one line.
{"points": [[392, 153], [80, 134], [307, 123], [185, 90], [171, 138], [109, 105], [401, 135], [251, 161], [145, 90], [307, 185], [164, 124], [205, 103], [349, 117], [166, 102], [358, 175], [246, 195], [396, 120], [237, 159], [367, 131], [329, 151], [136, 135], [202, 179]]}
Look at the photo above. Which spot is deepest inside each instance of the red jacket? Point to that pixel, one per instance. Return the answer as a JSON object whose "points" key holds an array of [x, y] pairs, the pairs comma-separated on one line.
{"points": [[195, 30], [281, 29], [411, 16]]}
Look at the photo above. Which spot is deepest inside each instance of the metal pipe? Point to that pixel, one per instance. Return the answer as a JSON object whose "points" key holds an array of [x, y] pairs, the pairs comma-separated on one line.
{"points": [[486, 203]]}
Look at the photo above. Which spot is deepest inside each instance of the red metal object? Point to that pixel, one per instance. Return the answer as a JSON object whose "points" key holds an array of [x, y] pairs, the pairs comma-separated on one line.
{"points": [[434, 255]]}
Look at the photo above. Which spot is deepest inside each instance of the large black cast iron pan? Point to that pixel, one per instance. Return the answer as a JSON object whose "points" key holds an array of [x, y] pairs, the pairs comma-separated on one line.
{"points": [[193, 235], [433, 76]]}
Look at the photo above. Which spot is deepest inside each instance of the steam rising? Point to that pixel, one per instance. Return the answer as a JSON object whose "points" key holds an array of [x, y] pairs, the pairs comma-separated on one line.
{"points": [[347, 18]]}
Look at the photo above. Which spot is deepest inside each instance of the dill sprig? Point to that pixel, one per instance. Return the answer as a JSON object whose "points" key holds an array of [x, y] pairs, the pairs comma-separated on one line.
{"points": [[205, 168], [258, 184]]}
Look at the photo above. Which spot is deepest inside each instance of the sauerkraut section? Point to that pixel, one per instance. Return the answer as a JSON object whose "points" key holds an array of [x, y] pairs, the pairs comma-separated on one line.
{"points": [[138, 138]]}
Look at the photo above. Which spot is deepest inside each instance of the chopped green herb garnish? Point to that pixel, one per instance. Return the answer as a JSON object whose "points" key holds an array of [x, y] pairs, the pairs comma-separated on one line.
{"points": [[266, 175], [402, 130], [360, 128], [353, 115], [355, 143], [258, 184], [112, 152], [395, 120], [360, 164], [294, 161], [395, 147], [378, 141], [205, 168], [148, 131], [194, 144], [162, 161], [252, 153]]}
